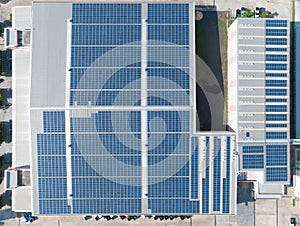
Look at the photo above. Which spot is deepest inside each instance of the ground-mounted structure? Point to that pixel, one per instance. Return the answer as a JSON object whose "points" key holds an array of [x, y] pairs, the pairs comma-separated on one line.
{"points": [[259, 103]]}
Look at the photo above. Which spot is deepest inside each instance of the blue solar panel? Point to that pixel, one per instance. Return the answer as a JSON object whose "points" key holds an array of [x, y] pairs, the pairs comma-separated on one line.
{"points": [[105, 78], [51, 144], [107, 206], [194, 168], [174, 187], [276, 174], [276, 135], [100, 187], [54, 121], [172, 34], [276, 23], [167, 78], [174, 55], [168, 121], [226, 181], [106, 13], [179, 206], [105, 98], [108, 121], [105, 144], [51, 166], [90, 166], [253, 149], [168, 13], [276, 155], [253, 161], [57, 206], [166, 144], [52, 188], [173, 98], [105, 56], [205, 181], [110, 34], [217, 174]]}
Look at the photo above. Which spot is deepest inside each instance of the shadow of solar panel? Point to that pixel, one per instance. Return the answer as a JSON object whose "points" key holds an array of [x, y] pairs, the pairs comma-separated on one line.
{"points": [[104, 188]]}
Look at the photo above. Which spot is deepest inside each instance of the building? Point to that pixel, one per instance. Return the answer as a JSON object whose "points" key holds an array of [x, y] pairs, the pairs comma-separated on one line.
{"points": [[258, 86], [110, 110]]}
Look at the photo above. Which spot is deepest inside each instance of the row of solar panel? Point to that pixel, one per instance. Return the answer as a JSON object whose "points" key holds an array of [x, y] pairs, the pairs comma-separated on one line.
{"points": [[94, 166], [159, 144], [226, 181], [276, 155], [128, 78], [125, 55], [129, 98], [130, 121], [217, 175], [129, 13], [119, 34]]}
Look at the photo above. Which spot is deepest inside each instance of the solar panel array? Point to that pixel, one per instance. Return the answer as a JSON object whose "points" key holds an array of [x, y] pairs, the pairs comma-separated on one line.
{"points": [[51, 159], [105, 131]]}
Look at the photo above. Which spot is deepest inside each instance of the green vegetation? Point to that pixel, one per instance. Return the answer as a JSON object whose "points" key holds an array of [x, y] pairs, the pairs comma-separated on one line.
{"points": [[294, 202], [265, 14], [1, 134], [293, 11], [248, 13], [1, 203], [1, 176], [10, 17], [1, 98]]}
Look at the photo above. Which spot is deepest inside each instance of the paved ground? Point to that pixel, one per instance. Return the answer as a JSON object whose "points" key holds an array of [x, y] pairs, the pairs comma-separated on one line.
{"points": [[282, 7]]}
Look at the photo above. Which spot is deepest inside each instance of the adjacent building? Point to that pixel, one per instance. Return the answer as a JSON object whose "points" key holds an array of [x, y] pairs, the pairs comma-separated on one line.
{"points": [[259, 103]]}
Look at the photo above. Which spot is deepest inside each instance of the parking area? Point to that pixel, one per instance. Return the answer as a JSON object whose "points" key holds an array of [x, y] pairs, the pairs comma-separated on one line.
{"points": [[282, 7]]}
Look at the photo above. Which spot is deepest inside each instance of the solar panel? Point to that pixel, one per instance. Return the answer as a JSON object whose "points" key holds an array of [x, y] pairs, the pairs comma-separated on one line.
{"points": [[105, 144], [276, 174], [276, 155], [226, 181], [253, 161], [217, 174], [205, 181], [194, 168]]}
